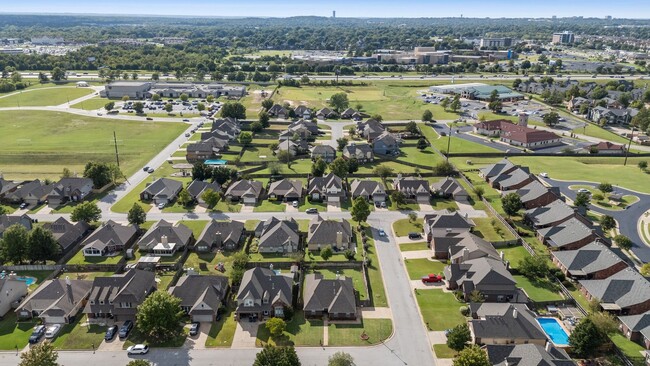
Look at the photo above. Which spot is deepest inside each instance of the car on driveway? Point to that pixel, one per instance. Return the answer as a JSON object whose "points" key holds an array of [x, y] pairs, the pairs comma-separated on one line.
{"points": [[584, 190], [52, 330], [311, 210], [543, 175], [125, 329], [161, 206], [23, 205], [37, 334], [382, 232], [431, 278], [294, 204], [138, 349], [414, 236], [110, 333], [194, 328]]}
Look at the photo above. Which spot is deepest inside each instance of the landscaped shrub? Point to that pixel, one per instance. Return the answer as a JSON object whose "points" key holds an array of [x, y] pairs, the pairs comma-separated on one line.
{"points": [[464, 310]]}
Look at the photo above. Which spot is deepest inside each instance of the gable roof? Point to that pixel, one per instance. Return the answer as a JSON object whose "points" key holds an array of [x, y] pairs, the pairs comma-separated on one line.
{"points": [[502, 167], [245, 187], [7, 221], [512, 321], [258, 283], [411, 185], [359, 151], [133, 285], [637, 323], [325, 231], [178, 234], [479, 272], [279, 233], [470, 246], [56, 298], [322, 184], [527, 355], [591, 258], [448, 186], [226, 232], [6, 185], [111, 231], [65, 232], [448, 220], [620, 290], [23, 190], [530, 191], [516, 176], [196, 290], [555, 211], [164, 187], [197, 187], [334, 296], [323, 150], [67, 185], [567, 232], [362, 187], [286, 187]]}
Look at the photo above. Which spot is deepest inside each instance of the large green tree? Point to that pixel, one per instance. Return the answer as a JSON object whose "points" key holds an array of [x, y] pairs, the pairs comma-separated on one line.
{"points": [[234, 110], [339, 167], [42, 245], [277, 356], [586, 338], [511, 203], [210, 197], [319, 167], [582, 199], [340, 359], [458, 337], [159, 316], [136, 215], [472, 356], [100, 173], [360, 209], [14, 240], [339, 101], [551, 119], [42, 354], [276, 326], [86, 212]]}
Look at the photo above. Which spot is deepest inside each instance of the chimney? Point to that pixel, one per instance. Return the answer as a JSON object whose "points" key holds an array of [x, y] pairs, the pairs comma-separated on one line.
{"points": [[548, 347], [465, 254], [163, 240], [339, 238], [514, 312], [501, 255], [219, 240]]}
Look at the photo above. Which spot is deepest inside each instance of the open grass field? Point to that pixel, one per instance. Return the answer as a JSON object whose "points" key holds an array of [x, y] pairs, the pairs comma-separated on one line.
{"points": [[419, 267], [440, 310], [39, 144], [491, 229], [91, 104], [44, 96]]}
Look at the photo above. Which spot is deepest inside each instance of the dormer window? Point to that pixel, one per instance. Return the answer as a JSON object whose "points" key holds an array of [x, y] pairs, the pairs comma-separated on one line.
{"points": [[92, 302], [248, 302]]}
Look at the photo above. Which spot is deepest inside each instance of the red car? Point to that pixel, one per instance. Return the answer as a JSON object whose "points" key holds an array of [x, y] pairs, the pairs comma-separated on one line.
{"points": [[431, 278]]}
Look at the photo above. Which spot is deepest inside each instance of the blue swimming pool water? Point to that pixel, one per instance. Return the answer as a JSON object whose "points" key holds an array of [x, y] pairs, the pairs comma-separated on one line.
{"points": [[215, 162], [554, 330], [27, 280]]}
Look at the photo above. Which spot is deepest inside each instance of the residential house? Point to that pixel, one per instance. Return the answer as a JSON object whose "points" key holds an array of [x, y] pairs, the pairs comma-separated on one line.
{"points": [[576, 103], [527, 355], [21, 193], [370, 129], [296, 133], [293, 147], [487, 275], [371, 190], [334, 298], [515, 179], [219, 135], [246, 191], [552, 214], [117, 297], [497, 169], [279, 236], [461, 247], [593, 261], [413, 188], [6, 221], [361, 152], [624, 293], [108, 239], [198, 187], [162, 190], [325, 152], [13, 289], [37, 195], [166, 239], [67, 234], [286, 190], [6, 187], [348, 113], [206, 149], [263, 293], [327, 189], [302, 111], [278, 111], [535, 194], [326, 113], [569, 235], [505, 324], [310, 126], [201, 296], [337, 234], [450, 188], [69, 189], [605, 148], [518, 134], [446, 223], [636, 328], [385, 144], [612, 115], [220, 235], [56, 301], [228, 126]]}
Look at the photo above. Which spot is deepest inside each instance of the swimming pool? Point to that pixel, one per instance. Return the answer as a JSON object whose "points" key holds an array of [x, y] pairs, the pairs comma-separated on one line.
{"points": [[28, 280], [554, 330], [215, 162]]}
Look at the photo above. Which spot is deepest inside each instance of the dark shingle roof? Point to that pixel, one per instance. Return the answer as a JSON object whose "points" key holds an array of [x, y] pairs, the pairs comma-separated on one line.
{"points": [[553, 212], [226, 232], [196, 289], [54, 297], [335, 296], [527, 355], [567, 232], [624, 289], [448, 186], [515, 321], [325, 231], [591, 258], [259, 281], [178, 234], [65, 232]]}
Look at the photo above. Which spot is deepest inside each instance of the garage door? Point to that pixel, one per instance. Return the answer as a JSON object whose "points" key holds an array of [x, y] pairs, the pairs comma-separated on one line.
{"points": [[55, 320], [202, 318], [249, 200]]}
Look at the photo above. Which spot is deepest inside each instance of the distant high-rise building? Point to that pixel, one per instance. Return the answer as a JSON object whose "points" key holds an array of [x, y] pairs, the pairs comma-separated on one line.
{"points": [[608, 17], [563, 38], [333, 13], [495, 42]]}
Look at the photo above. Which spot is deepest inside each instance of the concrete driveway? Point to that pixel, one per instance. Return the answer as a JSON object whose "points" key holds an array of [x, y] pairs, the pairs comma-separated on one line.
{"points": [[333, 207], [245, 334], [198, 341], [247, 208]]}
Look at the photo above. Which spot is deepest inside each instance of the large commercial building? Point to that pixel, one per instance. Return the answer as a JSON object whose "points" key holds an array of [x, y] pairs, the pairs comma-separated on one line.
{"points": [[419, 56], [563, 38], [141, 90], [495, 42]]}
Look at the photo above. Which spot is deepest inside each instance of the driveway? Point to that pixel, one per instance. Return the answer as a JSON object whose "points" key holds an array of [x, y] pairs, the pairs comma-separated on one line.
{"points": [[247, 208], [333, 207], [114, 345], [416, 254], [198, 341], [289, 208], [245, 334]]}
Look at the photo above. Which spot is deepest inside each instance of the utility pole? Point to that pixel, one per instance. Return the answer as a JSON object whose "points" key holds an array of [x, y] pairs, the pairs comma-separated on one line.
{"points": [[117, 155], [448, 141], [627, 151]]}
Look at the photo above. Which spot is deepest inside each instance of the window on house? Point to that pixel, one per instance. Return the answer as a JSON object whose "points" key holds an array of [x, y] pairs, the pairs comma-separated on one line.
{"points": [[248, 302]]}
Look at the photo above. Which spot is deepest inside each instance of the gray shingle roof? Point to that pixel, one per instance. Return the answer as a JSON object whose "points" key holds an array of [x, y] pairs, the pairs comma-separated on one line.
{"points": [[472, 247], [624, 289], [448, 220], [245, 187], [193, 290], [527, 355], [591, 258], [227, 233], [111, 231], [164, 188], [6, 221], [553, 212], [178, 234], [279, 233], [448, 186], [515, 321], [358, 151], [530, 191], [480, 272], [259, 281], [133, 286], [411, 185], [364, 187], [637, 323], [65, 232], [286, 187], [197, 187], [335, 296], [567, 232], [323, 184], [494, 170], [325, 231], [54, 298]]}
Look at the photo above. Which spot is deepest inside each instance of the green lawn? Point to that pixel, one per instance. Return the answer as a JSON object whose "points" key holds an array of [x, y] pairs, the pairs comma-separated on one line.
{"points": [[79, 258], [514, 254], [440, 310], [403, 226], [631, 349], [39, 144], [91, 104], [443, 204], [270, 206], [250, 225], [419, 267], [305, 204], [443, 351], [378, 293], [196, 226], [225, 206], [426, 157], [578, 296], [75, 336], [205, 263], [392, 206], [299, 332], [408, 247], [349, 335], [223, 331], [539, 290], [14, 334], [491, 229], [135, 337], [44, 97]]}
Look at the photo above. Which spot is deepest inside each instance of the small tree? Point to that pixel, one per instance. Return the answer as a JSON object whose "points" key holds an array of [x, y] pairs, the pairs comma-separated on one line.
{"points": [[276, 326], [125, 98], [245, 138], [341, 143], [455, 104], [511, 203], [86, 212], [605, 187], [267, 104], [607, 222], [383, 171], [582, 199], [471, 356], [184, 197], [277, 356], [184, 97], [42, 354], [109, 106], [155, 97], [319, 167], [422, 144], [339, 167], [398, 198], [210, 197], [327, 252], [623, 242], [604, 321], [444, 103], [412, 127], [643, 165], [169, 107], [443, 168], [479, 192], [136, 215], [200, 107], [14, 240], [66, 173], [645, 269], [138, 363], [284, 156], [551, 119], [360, 210], [427, 116], [159, 316], [585, 339], [256, 127], [458, 337], [138, 107], [340, 359], [534, 267]]}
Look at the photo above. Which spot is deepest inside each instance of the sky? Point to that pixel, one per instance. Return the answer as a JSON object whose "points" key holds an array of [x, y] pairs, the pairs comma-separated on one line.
{"points": [[376, 8]]}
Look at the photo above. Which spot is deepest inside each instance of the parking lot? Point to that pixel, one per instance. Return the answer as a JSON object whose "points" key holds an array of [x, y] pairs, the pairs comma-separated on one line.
{"points": [[180, 108]]}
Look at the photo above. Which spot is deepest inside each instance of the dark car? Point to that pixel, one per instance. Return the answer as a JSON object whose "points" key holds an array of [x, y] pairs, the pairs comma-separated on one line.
{"points": [[37, 334], [415, 235], [194, 328], [146, 169], [149, 119], [110, 333], [186, 120], [125, 329]]}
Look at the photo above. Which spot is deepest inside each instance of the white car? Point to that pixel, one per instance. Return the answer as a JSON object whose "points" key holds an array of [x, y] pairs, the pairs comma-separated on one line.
{"points": [[161, 206], [52, 330], [382, 232], [543, 175], [584, 190], [138, 349]]}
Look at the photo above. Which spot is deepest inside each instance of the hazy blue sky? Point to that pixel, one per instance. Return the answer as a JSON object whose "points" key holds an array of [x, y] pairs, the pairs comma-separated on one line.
{"points": [[377, 8]]}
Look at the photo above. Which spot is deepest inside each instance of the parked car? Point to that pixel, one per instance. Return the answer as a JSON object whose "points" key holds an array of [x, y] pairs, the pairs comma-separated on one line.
{"points": [[187, 134], [149, 119], [125, 329], [52, 330], [146, 169], [185, 120], [431, 278], [294, 203], [37, 334], [23, 205], [161, 206], [543, 175], [150, 170], [382, 232], [311, 210], [110, 333], [138, 349], [415, 236], [584, 190], [194, 328]]}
